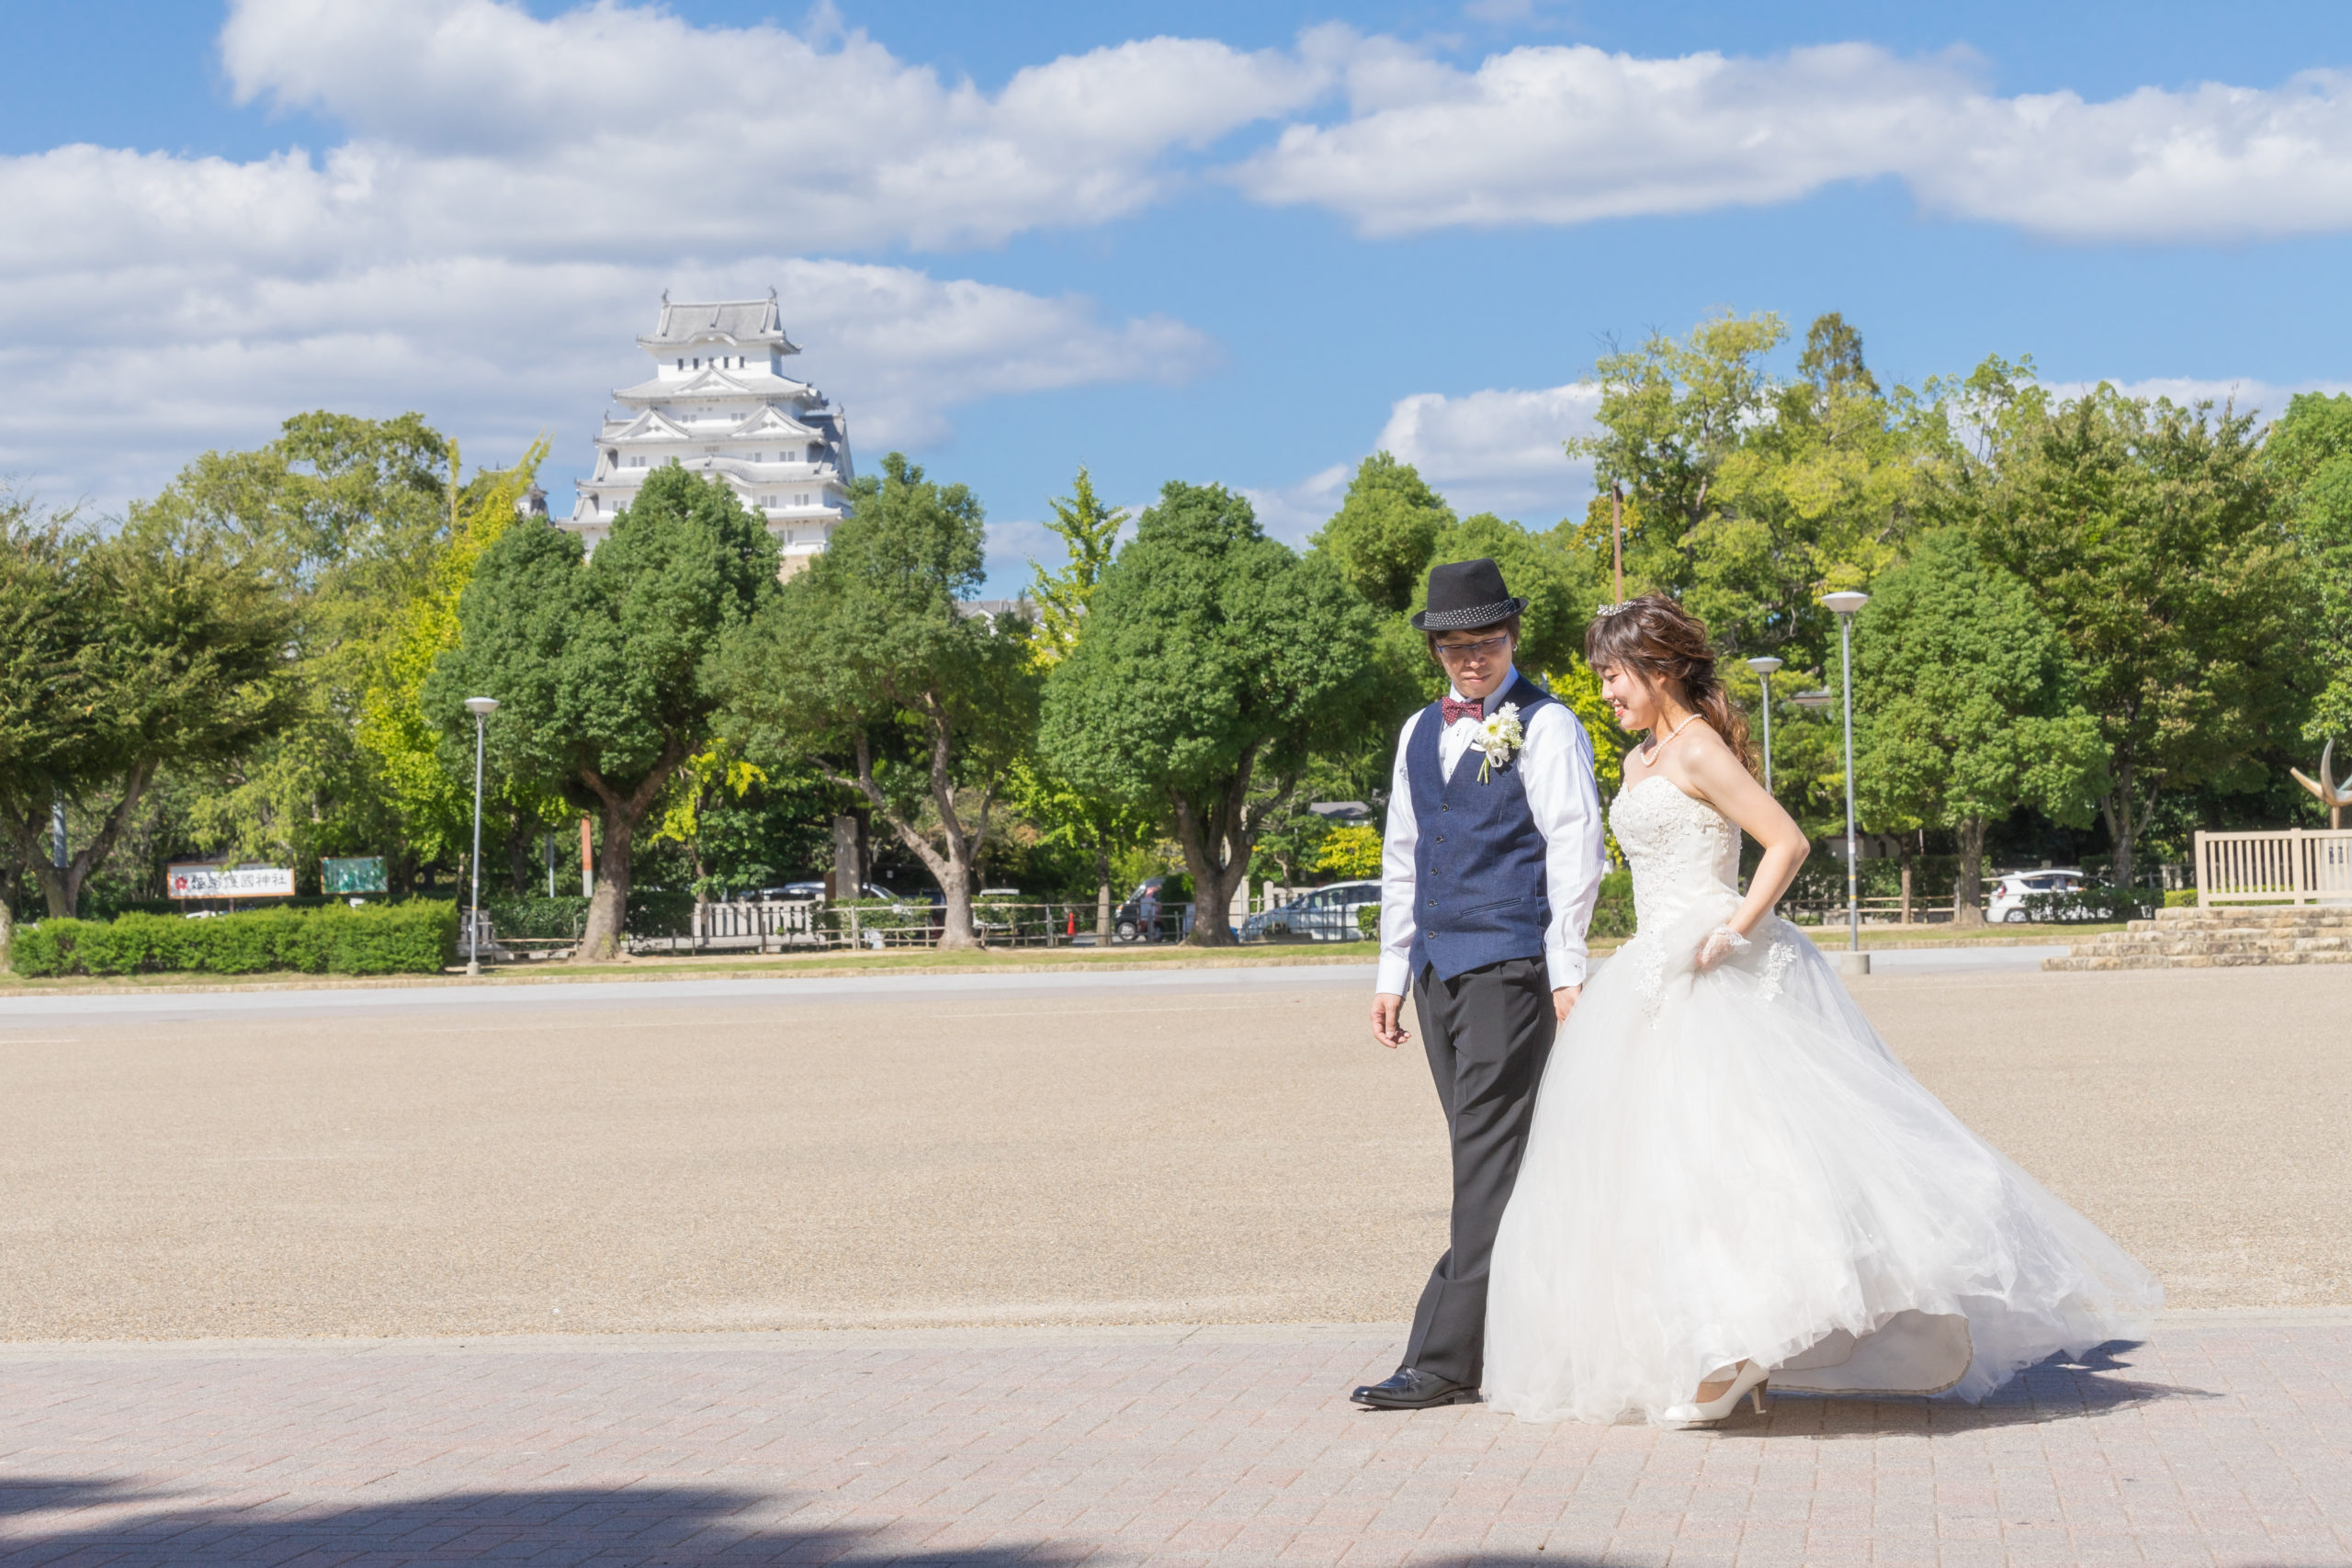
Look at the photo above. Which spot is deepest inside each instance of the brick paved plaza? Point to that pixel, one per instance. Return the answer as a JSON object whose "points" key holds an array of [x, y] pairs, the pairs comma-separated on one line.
{"points": [[1038, 1272], [2221, 1443]]}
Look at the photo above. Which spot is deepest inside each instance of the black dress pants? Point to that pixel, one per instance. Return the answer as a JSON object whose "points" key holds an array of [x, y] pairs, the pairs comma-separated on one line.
{"points": [[1488, 1033]]}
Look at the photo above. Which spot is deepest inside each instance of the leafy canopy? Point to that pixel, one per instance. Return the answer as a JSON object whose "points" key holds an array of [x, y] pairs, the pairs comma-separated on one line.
{"points": [[1386, 532], [1962, 691], [1210, 647]]}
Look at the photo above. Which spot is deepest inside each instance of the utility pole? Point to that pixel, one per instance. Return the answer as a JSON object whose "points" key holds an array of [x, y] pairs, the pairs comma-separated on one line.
{"points": [[1617, 534], [1845, 605]]}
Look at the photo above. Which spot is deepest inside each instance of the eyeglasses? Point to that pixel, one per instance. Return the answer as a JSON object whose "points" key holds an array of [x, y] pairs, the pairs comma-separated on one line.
{"points": [[1471, 652]]}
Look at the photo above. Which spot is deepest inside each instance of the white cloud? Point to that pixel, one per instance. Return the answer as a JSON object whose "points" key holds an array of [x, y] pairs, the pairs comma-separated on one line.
{"points": [[1498, 450], [1558, 135], [2266, 400], [143, 365], [517, 192], [513, 191], [628, 128], [1290, 513]]}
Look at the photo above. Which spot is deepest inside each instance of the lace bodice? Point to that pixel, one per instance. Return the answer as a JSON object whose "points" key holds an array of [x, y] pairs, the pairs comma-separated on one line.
{"points": [[1682, 851]]}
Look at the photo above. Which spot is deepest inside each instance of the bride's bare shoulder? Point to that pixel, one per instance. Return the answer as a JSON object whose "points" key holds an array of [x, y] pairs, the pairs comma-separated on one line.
{"points": [[1706, 766]]}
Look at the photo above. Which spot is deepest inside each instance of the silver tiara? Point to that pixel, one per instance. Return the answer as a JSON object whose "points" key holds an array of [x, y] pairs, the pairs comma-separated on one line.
{"points": [[1607, 610]]}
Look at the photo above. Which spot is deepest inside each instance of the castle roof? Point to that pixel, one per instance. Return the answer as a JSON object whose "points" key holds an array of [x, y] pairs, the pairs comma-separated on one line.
{"points": [[716, 383], [739, 322]]}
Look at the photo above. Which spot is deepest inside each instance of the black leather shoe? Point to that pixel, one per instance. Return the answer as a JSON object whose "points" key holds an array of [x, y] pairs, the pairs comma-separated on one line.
{"points": [[1411, 1389]]}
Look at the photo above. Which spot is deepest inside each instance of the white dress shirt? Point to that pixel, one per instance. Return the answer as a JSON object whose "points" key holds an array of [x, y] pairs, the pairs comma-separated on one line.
{"points": [[1555, 765]]}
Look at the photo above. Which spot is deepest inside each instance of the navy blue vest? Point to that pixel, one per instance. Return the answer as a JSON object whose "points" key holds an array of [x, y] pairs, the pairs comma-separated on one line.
{"points": [[1478, 885]]}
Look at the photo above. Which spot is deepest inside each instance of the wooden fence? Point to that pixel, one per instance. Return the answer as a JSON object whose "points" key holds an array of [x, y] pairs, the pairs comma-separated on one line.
{"points": [[2294, 865]]}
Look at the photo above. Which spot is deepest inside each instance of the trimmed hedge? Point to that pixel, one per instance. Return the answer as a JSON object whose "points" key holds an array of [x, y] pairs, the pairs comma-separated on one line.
{"points": [[417, 938]]}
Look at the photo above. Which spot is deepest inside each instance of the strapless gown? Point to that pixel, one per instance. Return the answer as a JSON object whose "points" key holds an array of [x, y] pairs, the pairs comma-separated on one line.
{"points": [[1731, 1166]]}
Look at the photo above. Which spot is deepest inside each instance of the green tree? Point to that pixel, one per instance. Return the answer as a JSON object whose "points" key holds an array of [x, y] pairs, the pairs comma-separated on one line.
{"points": [[1749, 497], [1960, 689], [344, 516], [2149, 536], [867, 667], [1386, 530], [606, 669], [161, 646], [1211, 655], [1558, 583], [1064, 815], [2309, 454], [1089, 528], [425, 780]]}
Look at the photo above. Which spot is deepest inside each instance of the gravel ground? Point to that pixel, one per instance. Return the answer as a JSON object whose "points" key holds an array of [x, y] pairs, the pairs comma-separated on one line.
{"points": [[652, 1163]]}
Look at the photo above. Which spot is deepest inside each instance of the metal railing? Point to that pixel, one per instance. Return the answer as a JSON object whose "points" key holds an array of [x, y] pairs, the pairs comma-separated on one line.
{"points": [[749, 926], [2291, 865]]}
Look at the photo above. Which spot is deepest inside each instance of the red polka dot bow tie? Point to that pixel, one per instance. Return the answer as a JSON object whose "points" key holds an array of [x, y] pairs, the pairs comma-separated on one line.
{"points": [[1454, 710]]}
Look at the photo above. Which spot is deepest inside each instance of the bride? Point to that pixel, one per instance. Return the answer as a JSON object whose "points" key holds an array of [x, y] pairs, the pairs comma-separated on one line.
{"points": [[1730, 1179]]}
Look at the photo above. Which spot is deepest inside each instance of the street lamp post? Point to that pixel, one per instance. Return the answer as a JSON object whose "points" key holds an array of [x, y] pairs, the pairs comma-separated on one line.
{"points": [[481, 708], [1764, 668], [1845, 604]]}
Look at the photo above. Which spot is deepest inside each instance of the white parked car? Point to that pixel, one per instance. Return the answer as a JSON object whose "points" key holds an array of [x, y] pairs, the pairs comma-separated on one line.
{"points": [[1327, 913], [2007, 902]]}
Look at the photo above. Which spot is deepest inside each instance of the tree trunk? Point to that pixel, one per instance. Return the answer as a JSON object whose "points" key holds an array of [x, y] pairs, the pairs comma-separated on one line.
{"points": [[1215, 861], [1968, 887], [7, 929], [61, 886], [2125, 826], [1905, 853], [953, 861], [1103, 890], [1218, 842], [520, 834], [607, 936]]}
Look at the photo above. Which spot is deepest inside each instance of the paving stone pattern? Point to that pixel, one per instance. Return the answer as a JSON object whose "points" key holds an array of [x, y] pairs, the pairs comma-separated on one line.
{"points": [[2218, 1443]]}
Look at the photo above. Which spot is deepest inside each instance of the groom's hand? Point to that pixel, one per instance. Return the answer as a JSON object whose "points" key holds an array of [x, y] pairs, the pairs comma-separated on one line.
{"points": [[1563, 999], [1389, 1019]]}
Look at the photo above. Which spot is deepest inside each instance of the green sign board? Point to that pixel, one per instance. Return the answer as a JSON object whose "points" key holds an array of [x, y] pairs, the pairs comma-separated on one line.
{"points": [[363, 874]]}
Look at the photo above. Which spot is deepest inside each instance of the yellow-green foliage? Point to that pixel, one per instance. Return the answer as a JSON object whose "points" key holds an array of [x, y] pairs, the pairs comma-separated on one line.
{"points": [[392, 723], [1351, 851]]}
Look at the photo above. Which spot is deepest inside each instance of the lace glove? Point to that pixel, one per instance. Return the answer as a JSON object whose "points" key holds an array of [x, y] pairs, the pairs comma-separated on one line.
{"points": [[1719, 945]]}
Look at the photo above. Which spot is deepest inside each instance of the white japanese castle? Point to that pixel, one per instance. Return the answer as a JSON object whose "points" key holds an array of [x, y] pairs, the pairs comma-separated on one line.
{"points": [[720, 404]]}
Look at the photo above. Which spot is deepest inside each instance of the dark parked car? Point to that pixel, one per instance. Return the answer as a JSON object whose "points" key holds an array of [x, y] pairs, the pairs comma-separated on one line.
{"points": [[1158, 909]]}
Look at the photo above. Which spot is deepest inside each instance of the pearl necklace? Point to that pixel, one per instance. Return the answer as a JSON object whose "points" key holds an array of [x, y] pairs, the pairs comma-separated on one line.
{"points": [[1650, 746]]}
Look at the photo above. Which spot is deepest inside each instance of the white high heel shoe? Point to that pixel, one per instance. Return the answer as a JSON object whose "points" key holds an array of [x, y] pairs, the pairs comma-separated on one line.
{"points": [[1750, 1382]]}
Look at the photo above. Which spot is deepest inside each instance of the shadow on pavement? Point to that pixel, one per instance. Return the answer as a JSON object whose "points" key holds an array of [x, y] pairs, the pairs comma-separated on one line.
{"points": [[683, 1527], [2054, 1390]]}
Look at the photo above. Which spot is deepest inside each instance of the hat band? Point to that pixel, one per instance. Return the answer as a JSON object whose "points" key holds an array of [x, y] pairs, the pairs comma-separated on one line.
{"points": [[1465, 620]]}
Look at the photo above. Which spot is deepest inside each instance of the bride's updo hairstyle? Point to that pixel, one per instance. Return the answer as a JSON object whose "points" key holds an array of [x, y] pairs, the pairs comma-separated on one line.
{"points": [[1667, 645]]}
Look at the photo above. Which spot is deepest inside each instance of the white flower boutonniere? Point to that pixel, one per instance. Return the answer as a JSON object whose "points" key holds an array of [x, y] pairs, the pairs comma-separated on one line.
{"points": [[1498, 740]]}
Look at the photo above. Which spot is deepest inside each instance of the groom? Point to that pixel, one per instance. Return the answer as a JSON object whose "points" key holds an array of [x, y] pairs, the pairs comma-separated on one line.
{"points": [[1488, 875]]}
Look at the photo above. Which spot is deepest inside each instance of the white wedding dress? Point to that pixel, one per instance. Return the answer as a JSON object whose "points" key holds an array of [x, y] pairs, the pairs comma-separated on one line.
{"points": [[1731, 1166]]}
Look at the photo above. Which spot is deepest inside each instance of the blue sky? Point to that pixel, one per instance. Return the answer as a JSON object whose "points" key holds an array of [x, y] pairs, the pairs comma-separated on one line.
{"points": [[1210, 241]]}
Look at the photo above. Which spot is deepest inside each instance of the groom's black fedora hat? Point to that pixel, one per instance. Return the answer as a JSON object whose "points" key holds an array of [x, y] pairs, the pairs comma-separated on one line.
{"points": [[1467, 594]]}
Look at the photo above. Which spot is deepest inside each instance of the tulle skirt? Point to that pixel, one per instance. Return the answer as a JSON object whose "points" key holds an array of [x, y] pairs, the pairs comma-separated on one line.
{"points": [[1731, 1166]]}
